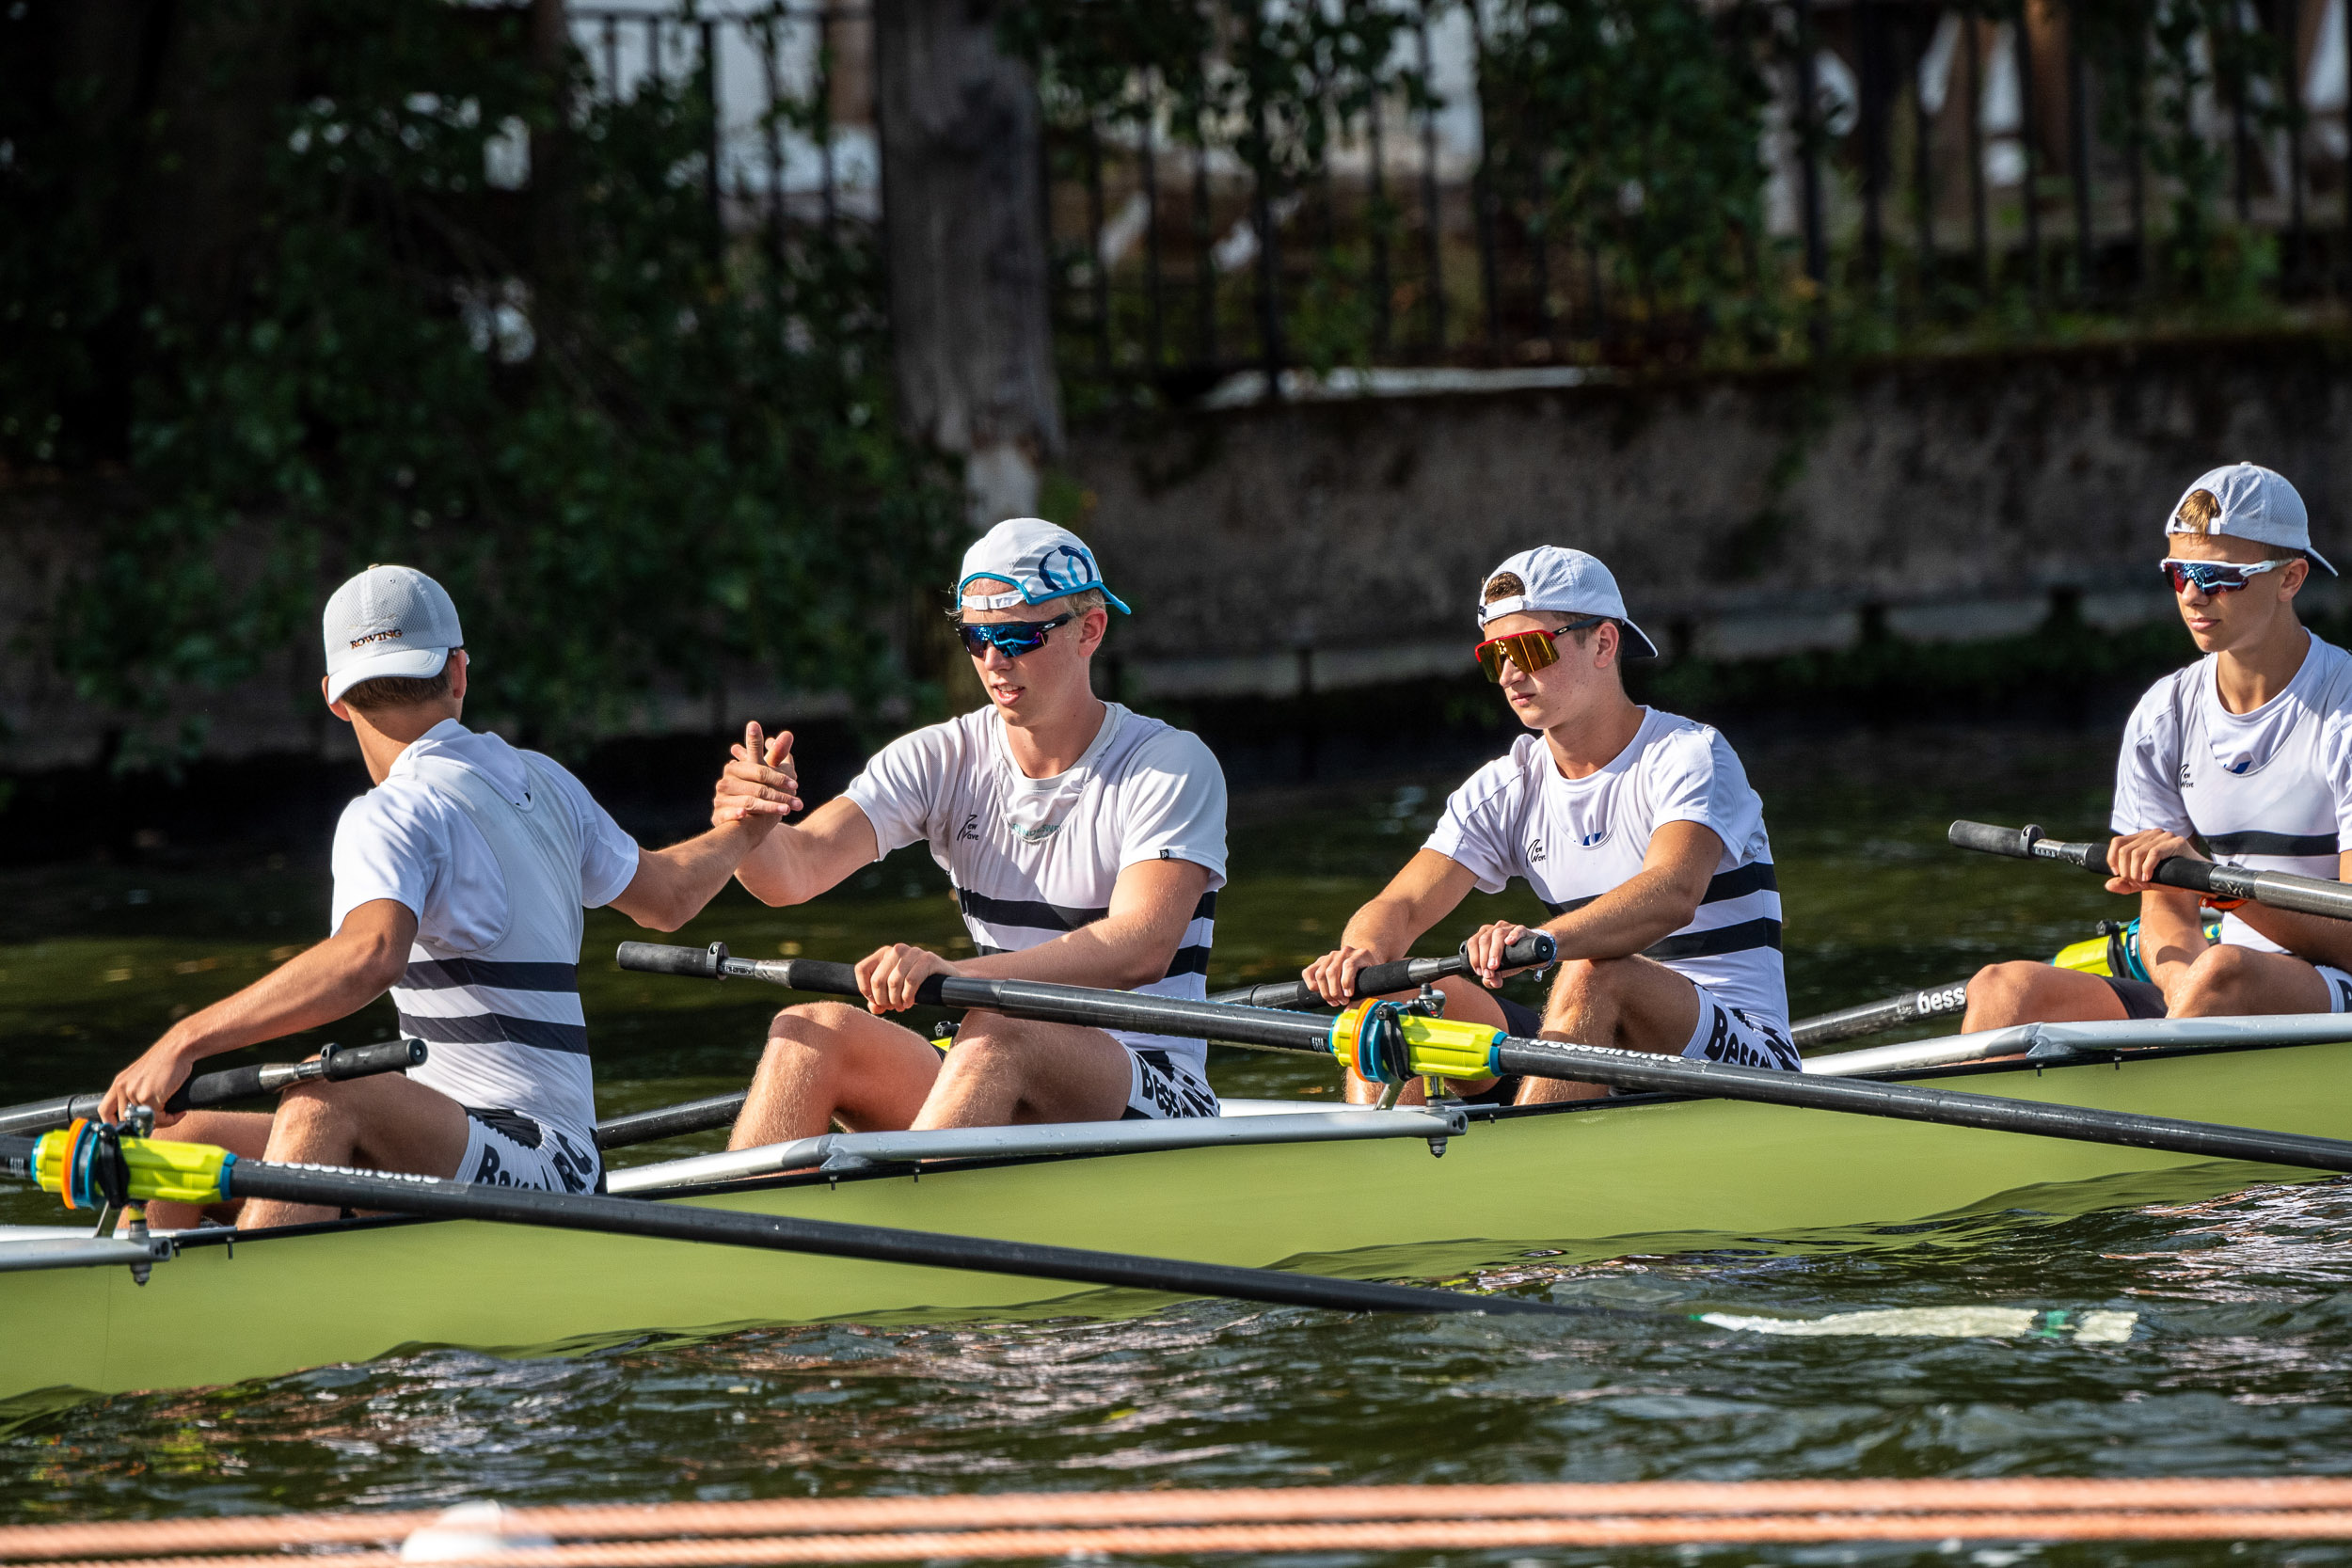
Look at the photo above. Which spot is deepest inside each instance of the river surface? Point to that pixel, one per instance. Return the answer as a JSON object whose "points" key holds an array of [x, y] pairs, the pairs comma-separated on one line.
{"points": [[2242, 1363]]}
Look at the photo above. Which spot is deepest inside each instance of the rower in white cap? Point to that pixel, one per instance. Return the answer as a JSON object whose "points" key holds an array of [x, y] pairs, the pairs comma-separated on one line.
{"points": [[1638, 831], [459, 881], [1086, 843], [2248, 750]]}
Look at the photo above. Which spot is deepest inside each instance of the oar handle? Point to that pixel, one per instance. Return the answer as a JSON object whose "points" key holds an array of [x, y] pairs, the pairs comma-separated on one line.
{"points": [[2279, 890], [230, 1085], [1532, 951], [715, 963]]}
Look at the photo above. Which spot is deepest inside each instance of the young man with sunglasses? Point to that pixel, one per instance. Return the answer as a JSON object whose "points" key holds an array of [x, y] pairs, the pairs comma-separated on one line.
{"points": [[2249, 750], [1637, 829], [1085, 843]]}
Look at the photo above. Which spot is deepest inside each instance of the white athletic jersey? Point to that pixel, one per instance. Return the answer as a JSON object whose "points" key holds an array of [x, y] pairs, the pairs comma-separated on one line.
{"points": [[495, 852], [1034, 858], [1575, 839], [2271, 789]]}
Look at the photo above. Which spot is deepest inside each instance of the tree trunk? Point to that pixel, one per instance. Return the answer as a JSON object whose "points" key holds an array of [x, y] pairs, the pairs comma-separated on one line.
{"points": [[964, 213]]}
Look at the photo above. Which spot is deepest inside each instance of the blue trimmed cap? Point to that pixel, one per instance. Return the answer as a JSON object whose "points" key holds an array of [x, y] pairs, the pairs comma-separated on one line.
{"points": [[1041, 560]]}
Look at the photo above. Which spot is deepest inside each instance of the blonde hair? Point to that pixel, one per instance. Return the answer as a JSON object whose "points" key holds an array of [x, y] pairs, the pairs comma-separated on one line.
{"points": [[2201, 509]]}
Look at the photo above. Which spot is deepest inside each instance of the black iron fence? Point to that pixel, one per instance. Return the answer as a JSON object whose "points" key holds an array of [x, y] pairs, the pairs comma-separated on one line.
{"points": [[1242, 187]]}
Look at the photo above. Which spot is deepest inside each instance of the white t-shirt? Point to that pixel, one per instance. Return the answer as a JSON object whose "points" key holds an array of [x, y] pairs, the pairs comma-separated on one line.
{"points": [[1034, 858], [1575, 839], [2271, 789], [498, 1009], [407, 841]]}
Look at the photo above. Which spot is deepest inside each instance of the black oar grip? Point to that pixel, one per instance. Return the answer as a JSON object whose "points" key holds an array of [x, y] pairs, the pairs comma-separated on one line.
{"points": [[659, 958], [2016, 842], [829, 979]]}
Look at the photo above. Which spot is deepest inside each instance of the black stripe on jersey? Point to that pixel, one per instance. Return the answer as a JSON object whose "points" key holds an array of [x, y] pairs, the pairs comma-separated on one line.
{"points": [[1715, 943], [1188, 960], [1037, 916], [2254, 841], [497, 1029], [1738, 883], [1741, 881], [448, 973]]}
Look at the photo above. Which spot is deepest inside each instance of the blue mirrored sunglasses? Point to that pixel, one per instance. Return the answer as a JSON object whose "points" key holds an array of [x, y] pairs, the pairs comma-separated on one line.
{"points": [[1010, 638], [2210, 577]]}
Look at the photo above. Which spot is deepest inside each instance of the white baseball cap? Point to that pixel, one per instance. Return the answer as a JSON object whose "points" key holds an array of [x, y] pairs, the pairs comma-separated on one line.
{"points": [[388, 621], [1042, 560], [2247, 500], [1551, 578]]}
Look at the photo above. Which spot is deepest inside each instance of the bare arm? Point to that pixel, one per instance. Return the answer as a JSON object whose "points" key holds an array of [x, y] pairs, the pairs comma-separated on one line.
{"points": [[1151, 903], [332, 980], [1427, 890], [672, 886], [1655, 902]]}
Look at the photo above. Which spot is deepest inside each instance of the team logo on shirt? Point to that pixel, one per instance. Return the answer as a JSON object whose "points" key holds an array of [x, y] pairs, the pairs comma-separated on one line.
{"points": [[1535, 849], [970, 831]]}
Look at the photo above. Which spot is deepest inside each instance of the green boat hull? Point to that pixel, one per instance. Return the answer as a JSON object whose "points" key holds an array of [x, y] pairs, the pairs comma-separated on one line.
{"points": [[1613, 1178]]}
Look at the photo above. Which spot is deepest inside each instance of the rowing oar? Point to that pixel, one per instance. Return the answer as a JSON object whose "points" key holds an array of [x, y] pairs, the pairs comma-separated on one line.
{"points": [[2279, 890], [1532, 951], [1872, 1016], [205, 1090], [95, 1165], [1387, 1041]]}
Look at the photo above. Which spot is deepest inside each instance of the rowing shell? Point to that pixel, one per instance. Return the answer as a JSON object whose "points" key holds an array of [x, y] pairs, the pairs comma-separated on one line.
{"points": [[1320, 1189]]}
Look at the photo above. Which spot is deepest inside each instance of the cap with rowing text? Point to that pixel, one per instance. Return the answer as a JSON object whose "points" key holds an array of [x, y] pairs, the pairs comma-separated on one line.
{"points": [[2245, 500], [1041, 560], [388, 621], [1552, 578]]}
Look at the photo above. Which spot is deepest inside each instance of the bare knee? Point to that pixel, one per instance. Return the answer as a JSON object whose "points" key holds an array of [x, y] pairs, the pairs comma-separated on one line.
{"points": [[812, 1024], [1583, 979], [2220, 980], [2005, 993]]}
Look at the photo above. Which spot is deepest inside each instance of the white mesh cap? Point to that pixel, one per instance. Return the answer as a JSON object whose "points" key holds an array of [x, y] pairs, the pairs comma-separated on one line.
{"points": [[388, 621], [1552, 578], [2245, 500], [1040, 560]]}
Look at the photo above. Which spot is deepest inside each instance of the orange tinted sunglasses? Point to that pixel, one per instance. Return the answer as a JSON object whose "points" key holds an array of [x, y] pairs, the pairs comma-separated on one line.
{"points": [[1529, 650]]}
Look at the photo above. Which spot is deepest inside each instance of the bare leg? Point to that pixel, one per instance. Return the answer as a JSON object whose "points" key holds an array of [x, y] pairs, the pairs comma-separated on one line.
{"points": [[2022, 991], [2230, 981], [1466, 1000], [243, 1133], [828, 1061], [1634, 1004], [1004, 1071], [381, 1123]]}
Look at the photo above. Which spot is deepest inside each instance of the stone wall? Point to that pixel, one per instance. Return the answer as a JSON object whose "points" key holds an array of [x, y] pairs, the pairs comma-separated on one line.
{"points": [[1741, 514]]}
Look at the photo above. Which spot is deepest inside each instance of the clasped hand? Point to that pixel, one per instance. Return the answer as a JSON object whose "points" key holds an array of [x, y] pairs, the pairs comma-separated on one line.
{"points": [[888, 977], [2133, 859], [762, 785]]}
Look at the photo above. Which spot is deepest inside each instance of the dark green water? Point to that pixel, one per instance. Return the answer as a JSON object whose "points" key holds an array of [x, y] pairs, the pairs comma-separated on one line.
{"points": [[2242, 1363]]}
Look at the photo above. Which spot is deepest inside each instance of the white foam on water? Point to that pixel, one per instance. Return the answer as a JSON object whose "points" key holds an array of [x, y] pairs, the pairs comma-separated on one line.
{"points": [[1941, 1322]]}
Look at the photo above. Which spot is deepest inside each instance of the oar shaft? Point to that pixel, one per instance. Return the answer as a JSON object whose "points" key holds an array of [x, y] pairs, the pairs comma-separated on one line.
{"points": [[2279, 889], [1871, 1017], [1532, 951], [230, 1085], [671, 1121]]}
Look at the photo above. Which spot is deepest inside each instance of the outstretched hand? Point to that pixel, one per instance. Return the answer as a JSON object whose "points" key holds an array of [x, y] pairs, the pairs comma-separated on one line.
{"points": [[762, 785]]}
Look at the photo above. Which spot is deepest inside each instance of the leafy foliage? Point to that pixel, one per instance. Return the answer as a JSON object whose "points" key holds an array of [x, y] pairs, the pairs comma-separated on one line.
{"points": [[643, 454]]}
